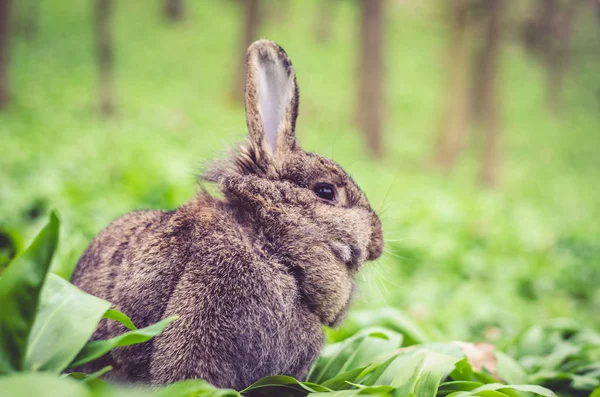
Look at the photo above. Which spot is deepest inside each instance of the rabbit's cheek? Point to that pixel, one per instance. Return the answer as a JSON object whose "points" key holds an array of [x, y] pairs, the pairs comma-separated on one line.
{"points": [[376, 243], [342, 251]]}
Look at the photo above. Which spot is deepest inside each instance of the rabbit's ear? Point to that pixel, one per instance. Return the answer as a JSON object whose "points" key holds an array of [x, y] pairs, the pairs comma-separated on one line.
{"points": [[271, 98]]}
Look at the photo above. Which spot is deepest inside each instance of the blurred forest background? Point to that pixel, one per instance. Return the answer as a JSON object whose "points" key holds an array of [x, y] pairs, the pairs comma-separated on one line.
{"points": [[472, 125]]}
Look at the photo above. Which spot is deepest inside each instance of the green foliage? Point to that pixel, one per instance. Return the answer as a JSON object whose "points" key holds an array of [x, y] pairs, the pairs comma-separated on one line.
{"points": [[46, 322], [382, 354], [98, 348], [460, 263], [561, 355], [59, 324], [20, 289]]}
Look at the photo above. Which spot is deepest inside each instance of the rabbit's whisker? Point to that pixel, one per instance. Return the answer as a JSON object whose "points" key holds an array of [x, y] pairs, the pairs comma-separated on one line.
{"points": [[394, 255], [390, 188]]}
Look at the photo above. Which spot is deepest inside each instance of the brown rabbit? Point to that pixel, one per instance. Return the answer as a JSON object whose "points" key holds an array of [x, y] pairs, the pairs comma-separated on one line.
{"points": [[252, 276]]}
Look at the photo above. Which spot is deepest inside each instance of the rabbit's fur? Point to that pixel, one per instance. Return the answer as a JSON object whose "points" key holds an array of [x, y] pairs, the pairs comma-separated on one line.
{"points": [[252, 276]]}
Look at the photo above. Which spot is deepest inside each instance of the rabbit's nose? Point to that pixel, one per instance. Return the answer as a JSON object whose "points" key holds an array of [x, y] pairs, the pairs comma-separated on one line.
{"points": [[376, 245]]}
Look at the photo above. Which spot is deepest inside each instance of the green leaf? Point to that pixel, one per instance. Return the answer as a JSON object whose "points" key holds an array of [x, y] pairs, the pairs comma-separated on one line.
{"points": [[580, 382], [114, 314], [451, 387], [92, 378], [41, 384], [194, 388], [509, 370], [67, 318], [393, 320], [425, 373], [365, 391], [374, 372], [539, 390], [282, 386], [463, 371], [343, 381], [595, 393], [357, 351], [490, 393], [561, 353], [97, 348], [484, 377], [20, 289]]}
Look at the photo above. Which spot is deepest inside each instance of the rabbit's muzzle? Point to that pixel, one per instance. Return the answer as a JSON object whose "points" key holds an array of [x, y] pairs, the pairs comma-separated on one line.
{"points": [[376, 242]]}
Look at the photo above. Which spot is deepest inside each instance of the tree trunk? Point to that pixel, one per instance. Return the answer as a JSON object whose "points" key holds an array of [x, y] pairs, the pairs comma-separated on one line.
{"points": [[326, 10], [31, 18], [557, 56], [455, 117], [488, 117], [173, 10], [370, 101], [4, 34], [104, 56], [251, 24], [549, 38]]}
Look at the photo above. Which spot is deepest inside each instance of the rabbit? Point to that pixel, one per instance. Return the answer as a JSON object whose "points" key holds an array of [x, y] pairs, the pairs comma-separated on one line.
{"points": [[254, 275]]}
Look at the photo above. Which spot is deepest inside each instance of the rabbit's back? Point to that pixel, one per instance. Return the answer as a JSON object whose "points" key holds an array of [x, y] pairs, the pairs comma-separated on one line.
{"points": [[98, 269], [240, 316]]}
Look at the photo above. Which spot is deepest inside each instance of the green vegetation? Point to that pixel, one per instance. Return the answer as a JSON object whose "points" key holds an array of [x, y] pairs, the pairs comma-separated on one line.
{"points": [[518, 267], [47, 323]]}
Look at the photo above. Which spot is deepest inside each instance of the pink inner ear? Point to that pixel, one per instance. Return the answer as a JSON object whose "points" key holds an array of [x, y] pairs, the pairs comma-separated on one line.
{"points": [[274, 95]]}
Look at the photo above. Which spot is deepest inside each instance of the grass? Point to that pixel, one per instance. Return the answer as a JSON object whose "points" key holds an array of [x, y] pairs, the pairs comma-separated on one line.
{"points": [[463, 262]]}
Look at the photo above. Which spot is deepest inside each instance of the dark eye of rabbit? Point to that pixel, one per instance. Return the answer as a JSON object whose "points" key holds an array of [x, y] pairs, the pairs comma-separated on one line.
{"points": [[325, 191]]}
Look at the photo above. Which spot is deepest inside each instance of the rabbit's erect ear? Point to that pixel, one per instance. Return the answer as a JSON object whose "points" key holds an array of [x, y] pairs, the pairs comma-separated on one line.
{"points": [[271, 98]]}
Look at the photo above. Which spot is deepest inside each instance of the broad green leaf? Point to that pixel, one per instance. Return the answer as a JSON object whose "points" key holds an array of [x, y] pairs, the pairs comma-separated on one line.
{"points": [[374, 371], [97, 348], [580, 382], [92, 379], [539, 390], [20, 290], [392, 319], [67, 318], [560, 353], [490, 393], [542, 377], [41, 385], [451, 387], [484, 377], [282, 386], [509, 370], [462, 371], [114, 314], [595, 393], [194, 388], [355, 352], [365, 391], [460, 394], [343, 381], [424, 378]]}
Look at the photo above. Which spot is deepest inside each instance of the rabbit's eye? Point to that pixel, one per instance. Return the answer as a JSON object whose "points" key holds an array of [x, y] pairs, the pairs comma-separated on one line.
{"points": [[324, 191]]}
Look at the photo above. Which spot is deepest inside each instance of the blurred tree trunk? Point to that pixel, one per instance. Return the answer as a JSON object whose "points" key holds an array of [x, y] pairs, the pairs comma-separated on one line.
{"points": [[173, 10], [276, 12], [251, 24], [28, 21], [104, 56], [4, 35], [370, 101], [455, 117], [325, 13], [486, 97], [557, 55], [548, 37]]}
